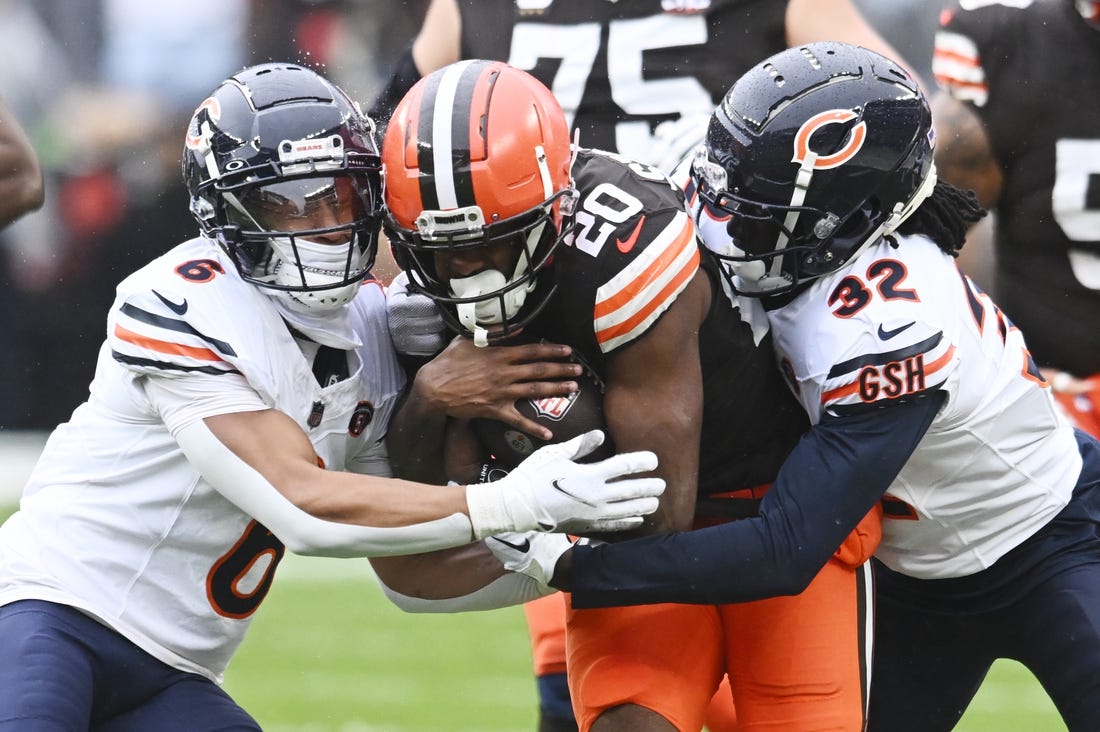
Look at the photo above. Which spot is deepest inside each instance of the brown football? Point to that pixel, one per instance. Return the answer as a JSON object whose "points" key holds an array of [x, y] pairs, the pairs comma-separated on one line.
{"points": [[566, 416]]}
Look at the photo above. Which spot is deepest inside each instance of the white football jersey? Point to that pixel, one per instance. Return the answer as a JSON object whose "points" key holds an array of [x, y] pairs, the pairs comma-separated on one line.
{"points": [[116, 522], [997, 463]]}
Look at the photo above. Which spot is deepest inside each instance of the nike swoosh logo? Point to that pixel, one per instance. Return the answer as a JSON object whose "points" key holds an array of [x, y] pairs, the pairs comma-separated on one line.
{"points": [[886, 335], [625, 245], [524, 547], [561, 489], [177, 308]]}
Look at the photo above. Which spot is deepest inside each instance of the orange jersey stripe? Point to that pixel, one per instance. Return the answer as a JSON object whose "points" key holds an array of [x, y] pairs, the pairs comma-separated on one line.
{"points": [[942, 361], [953, 81], [166, 347], [839, 393], [685, 273], [685, 237], [966, 60]]}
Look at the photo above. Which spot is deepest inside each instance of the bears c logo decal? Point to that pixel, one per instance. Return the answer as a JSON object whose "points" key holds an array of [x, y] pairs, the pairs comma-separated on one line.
{"points": [[804, 155], [196, 133]]}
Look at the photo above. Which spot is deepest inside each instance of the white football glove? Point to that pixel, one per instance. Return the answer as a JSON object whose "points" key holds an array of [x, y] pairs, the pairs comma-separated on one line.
{"points": [[532, 553], [550, 492], [416, 327]]}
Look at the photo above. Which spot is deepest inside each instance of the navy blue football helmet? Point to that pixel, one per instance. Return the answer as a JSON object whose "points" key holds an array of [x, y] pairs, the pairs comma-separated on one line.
{"points": [[284, 173], [812, 155]]}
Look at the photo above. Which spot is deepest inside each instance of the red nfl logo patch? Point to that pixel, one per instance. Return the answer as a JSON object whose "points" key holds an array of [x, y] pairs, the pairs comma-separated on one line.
{"points": [[553, 408]]}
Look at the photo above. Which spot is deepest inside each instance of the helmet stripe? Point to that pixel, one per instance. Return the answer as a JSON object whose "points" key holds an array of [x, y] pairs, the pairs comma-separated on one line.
{"points": [[445, 120], [462, 176], [425, 157]]}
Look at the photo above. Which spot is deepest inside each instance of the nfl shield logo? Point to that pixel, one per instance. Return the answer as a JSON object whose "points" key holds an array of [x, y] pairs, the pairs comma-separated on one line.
{"points": [[553, 408]]}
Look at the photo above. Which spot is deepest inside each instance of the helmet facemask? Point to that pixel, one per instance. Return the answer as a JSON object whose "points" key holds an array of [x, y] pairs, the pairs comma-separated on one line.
{"points": [[488, 304], [311, 240], [757, 235]]}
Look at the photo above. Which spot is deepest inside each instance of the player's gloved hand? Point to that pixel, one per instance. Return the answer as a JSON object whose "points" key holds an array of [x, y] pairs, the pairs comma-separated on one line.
{"points": [[550, 492], [416, 327], [532, 553]]}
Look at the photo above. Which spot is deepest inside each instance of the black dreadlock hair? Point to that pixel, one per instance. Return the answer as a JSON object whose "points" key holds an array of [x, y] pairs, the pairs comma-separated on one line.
{"points": [[945, 216]]}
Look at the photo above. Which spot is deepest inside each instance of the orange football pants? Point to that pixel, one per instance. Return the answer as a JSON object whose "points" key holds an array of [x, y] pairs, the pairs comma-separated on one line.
{"points": [[546, 626], [796, 664]]}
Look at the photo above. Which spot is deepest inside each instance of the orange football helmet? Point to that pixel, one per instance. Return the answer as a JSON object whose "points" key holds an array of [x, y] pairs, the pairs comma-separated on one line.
{"points": [[478, 154]]}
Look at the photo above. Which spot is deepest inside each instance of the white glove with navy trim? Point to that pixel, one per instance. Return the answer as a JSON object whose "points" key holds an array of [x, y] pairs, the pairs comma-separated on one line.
{"points": [[533, 553]]}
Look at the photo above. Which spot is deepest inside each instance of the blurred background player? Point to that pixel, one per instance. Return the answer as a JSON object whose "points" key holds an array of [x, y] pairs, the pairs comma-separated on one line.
{"points": [[639, 78], [22, 190], [115, 194], [620, 70], [817, 189], [21, 185], [1015, 129], [239, 409], [513, 237]]}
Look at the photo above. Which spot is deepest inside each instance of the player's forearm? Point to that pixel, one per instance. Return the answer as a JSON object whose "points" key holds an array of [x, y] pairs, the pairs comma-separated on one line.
{"points": [[439, 575], [654, 401], [415, 438], [674, 435], [262, 462], [320, 512], [832, 479], [733, 562], [273, 445], [505, 591]]}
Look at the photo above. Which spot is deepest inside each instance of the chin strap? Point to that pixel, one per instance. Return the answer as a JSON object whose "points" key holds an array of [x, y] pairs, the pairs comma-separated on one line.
{"points": [[798, 197], [494, 309], [491, 310]]}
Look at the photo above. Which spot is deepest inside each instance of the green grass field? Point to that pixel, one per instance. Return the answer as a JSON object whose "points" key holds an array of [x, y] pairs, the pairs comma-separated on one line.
{"points": [[328, 653]]}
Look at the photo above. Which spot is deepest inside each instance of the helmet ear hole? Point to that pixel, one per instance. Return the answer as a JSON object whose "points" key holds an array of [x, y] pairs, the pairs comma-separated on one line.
{"points": [[858, 224]]}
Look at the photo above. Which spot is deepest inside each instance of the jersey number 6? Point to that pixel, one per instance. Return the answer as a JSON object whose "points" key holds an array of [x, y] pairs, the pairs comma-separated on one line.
{"points": [[240, 579]]}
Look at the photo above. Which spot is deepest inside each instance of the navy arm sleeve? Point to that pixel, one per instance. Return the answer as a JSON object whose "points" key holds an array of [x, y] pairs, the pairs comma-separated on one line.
{"points": [[828, 483]]}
